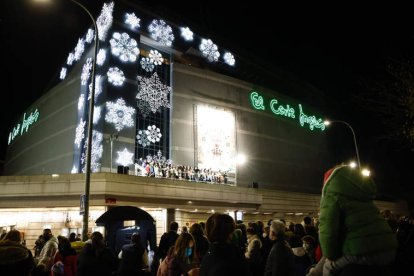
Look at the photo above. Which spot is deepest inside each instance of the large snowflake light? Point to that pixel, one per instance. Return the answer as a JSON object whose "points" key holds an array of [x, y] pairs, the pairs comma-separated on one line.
{"points": [[96, 152], [115, 76], [80, 132], [153, 133], [104, 21], [119, 114], [187, 34], [209, 50], [124, 47], [147, 64], [143, 138], [132, 20], [154, 92], [161, 32], [79, 49], [70, 59], [62, 74], [156, 57], [100, 57], [229, 59], [98, 87], [81, 102], [125, 157], [89, 36], [86, 71]]}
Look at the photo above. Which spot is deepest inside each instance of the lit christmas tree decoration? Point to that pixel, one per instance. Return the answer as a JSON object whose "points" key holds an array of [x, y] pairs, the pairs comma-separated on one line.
{"points": [[186, 33], [147, 64], [156, 57], [104, 21], [125, 157], [96, 114], [209, 50], [115, 76], [62, 74], [124, 47], [89, 36], [100, 57], [154, 92], [119, 114], [96, 152], [132, 20], [79, 49], [161, 32], [143, 138], [86, 71], [229, 59], [98, 87], [70, 59], [80, 132], [153, 133], [81, 102]]}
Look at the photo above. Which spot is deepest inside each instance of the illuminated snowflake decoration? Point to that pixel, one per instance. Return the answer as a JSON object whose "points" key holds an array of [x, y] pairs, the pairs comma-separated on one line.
{"points": [[96, 152], [156, 57], [152, 91], [161, 32], [209, 50], [124, 47], [80, 132], [132, 20], [119, 114], [79, 49], [81, 102], [100, 57], [143, 138], [187, 34], [104, 21], [147, 64], [62, 74], [89, 36], [125, 157], [229, 59], [86, 71], [153, 133], [115, 76], [96, 114], [70, 59], [98, 87], [74, 170], [159, 158]]}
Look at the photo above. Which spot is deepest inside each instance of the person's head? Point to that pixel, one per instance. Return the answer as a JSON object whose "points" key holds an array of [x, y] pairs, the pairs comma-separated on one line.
{"points": [[307, 220], [295, 241], [184, 229], [277, 230], [47, 234], [72, 237], [308, 242], [97, 239], [219, 228], [250, 232], [184, 246], [173, 226], [299, 230], [13, 235], [64, 245], [196, 230], [136, 238]]}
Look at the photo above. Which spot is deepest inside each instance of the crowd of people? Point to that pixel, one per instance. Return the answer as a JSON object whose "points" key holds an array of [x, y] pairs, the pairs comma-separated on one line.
{"points": [[350, 237]]}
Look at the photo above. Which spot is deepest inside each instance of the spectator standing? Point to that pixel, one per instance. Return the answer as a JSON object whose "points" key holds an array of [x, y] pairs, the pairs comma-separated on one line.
{"points": [[66, 255], [201, 242], [15, 258], [45, 259], [168, 239], [182, 256], [134, 258], [253, 253]]}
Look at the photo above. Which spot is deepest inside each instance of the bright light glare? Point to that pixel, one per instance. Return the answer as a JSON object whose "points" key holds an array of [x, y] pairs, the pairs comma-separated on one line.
{"points": [[352, 164], [326, 123], [241, 159], [366, 172]]}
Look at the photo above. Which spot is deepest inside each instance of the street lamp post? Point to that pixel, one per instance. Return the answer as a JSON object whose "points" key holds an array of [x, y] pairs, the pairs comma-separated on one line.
{"points": [[85, 225], [327, 123]]}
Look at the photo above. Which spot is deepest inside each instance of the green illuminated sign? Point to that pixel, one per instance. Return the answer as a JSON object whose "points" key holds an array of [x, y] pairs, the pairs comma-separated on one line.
{"points": [[23, 127], [287, 111]]}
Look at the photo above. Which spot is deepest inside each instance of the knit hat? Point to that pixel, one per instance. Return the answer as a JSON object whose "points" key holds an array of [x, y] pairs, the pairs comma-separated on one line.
{"points": [[57, 268]]}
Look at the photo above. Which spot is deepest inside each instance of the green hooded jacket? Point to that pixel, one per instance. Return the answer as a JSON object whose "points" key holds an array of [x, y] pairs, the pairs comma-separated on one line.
{"points": [[350, 223]]}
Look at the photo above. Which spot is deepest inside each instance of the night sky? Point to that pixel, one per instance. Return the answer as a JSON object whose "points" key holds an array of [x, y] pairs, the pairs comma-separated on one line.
{"points": [[338, 49]]}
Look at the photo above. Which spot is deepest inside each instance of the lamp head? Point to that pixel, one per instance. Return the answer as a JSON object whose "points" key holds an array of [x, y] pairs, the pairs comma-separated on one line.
{"points": [[326, 122]]}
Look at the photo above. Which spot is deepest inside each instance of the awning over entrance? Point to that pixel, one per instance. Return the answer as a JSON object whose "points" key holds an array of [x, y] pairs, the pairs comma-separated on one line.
{"points": [[122, 213]]}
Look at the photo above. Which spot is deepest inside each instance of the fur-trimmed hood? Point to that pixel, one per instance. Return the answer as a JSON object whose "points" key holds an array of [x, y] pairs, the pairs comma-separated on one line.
{"points": [[12, 252]]}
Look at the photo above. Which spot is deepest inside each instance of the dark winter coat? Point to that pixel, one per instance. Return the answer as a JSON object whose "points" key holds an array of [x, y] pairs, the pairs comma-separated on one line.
{"points": [[92, 263], [350, 223], [167, 240], [223, 259], [131, 262], [280, 261], [15, 259]]}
